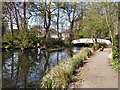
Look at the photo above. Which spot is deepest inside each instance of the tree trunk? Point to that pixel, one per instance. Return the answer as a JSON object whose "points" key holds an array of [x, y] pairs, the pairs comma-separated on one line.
{"points": [[16, 15], [25, 15], [47, 24], [46, 33], [95, 41], [25, 81], [71, 33], [45, 37], [111, 35], [95, 37], [58, 23], [11, 24]]}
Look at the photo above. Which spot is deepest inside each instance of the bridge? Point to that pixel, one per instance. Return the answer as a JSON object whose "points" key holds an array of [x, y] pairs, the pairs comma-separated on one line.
{"points": [[89, 40]]}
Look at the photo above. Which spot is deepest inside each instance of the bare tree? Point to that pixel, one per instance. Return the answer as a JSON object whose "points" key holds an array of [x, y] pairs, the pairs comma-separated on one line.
{"points": [[9, 11], [16, 16], [72, 11]]}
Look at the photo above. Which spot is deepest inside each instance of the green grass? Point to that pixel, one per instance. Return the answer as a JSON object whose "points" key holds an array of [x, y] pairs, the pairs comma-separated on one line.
{"points": [[115, 65], [59, 76]]}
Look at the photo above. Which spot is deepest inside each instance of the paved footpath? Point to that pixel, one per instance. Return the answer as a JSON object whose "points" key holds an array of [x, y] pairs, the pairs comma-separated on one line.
{"points": [[98, 73]]}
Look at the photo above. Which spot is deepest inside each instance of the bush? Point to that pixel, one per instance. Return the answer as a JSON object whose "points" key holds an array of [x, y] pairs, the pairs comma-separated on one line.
{"points": [[115, 53], [59, 76], [115, 65], [115, 48], [28, 39], [23, 39], [95, 47], [53, 43], [102, 44]]}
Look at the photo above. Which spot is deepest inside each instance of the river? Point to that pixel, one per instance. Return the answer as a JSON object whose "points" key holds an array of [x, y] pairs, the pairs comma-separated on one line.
{"points": [[25, 69]]}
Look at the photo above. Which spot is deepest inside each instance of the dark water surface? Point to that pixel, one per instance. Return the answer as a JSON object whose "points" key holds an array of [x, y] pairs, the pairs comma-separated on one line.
{"points": [[25, 69]]}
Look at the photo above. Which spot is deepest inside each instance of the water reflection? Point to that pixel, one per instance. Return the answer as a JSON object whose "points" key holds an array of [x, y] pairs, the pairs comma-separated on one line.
{"points": [[25, 69]]}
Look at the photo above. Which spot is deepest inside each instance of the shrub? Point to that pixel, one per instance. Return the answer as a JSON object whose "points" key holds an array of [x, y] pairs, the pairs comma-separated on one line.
{"points": [[23, 39], [28, 39], [115, 65], [116, 53], [95, 47], [102, 44]]}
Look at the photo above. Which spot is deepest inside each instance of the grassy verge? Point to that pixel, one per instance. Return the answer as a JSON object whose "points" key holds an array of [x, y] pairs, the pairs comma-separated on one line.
{"points": [[114, 62], [115, 65], [59, 76]]}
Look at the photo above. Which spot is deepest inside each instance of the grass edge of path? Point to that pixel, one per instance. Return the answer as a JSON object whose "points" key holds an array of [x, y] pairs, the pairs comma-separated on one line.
{"points": [[59, 76]]}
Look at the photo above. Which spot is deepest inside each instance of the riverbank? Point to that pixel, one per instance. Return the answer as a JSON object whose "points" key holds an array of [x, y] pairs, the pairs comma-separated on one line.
{"points": [[42, 49], [97, 73], [59, 76]]}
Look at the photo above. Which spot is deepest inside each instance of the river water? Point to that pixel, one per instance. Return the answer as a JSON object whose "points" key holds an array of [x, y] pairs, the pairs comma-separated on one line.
{"points": [[25, 69]]}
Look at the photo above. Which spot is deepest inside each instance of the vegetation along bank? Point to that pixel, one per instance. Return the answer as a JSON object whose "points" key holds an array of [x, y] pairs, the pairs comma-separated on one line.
{"points": [[59, 76]]}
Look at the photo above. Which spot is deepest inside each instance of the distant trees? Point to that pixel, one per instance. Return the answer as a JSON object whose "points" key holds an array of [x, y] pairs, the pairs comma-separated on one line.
{"points": [[46, 12], [93, 20], [57, 14], [24, 8], [16, 16], [8, 14], [111, 16], [4, 26], [74, 12], [98, 20]]}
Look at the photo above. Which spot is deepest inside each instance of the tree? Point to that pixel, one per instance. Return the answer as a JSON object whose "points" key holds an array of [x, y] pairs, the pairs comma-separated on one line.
{"points": [[24, 8], [74, 13], [94, 22], [110, 12], [45, 11], [57, 6], [9, 12], [4, 26], [16, 15]]}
